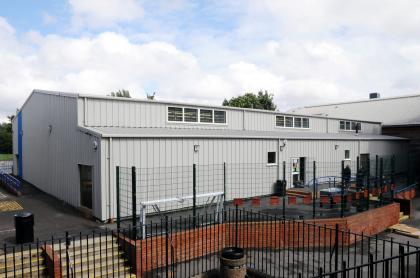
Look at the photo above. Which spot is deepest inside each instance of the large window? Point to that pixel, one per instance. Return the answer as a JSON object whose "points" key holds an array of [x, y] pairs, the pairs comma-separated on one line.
{"points": [[289, 121], [350, 125], [271, 158], [175, 114], [196, 115]]}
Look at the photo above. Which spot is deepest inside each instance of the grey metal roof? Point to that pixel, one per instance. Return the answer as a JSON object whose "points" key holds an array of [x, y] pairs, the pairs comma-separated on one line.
{"points": [[358, 101], [124, 132]]}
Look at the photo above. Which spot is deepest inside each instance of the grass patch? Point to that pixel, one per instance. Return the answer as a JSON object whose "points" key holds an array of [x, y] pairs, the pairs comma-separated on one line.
{"points": [[6, 156]]}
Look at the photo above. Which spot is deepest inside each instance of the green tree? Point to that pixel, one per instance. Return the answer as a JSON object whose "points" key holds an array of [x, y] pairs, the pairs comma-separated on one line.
{"points": [[261, 100], [6, 141], [121, 93]]}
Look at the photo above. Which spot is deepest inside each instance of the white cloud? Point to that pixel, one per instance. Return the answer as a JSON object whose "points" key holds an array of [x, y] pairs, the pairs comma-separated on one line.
{"points": [[304, 52], [99, 13]]}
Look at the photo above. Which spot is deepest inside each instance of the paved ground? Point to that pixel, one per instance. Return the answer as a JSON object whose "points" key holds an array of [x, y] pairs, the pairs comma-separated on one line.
{"points": [[52, 216]]}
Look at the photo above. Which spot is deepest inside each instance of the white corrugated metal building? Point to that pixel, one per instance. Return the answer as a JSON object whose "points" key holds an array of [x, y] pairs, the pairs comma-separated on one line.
{"points": [[62, 140]]}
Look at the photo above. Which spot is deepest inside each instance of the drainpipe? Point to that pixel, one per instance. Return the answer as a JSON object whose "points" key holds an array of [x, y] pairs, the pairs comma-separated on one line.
{"points": [[84, 110], [110, 178]]}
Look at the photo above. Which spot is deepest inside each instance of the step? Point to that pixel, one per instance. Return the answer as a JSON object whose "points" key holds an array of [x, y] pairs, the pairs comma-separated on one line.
{"points": [[26, 272], [34, 253], [76, 244], [97, 250], [18, 264], [92, 260], [405, 217], [95, 270]]}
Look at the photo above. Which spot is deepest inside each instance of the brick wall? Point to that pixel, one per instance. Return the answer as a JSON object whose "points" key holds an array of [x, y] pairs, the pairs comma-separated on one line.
{"points": [[148, 254]]}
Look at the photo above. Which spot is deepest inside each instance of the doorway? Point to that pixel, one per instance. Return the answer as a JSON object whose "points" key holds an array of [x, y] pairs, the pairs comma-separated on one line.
{"points": [[298, 171], [364, 163], [86, 186]]}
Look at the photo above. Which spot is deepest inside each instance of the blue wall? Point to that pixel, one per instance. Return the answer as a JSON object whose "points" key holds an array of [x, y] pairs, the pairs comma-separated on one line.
{"points": [[20, 133]]}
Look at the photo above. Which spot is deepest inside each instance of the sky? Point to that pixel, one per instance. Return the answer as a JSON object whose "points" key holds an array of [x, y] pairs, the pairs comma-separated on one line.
{"points": [[304, 52]]}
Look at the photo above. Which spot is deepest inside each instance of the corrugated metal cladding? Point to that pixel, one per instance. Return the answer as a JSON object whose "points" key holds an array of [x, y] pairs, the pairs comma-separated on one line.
{"points": [[96, 112], [249, 154], [53, 148], [385, 110]]}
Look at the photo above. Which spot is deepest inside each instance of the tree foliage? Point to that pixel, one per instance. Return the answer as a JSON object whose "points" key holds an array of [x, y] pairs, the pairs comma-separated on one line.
{"points": [[6, 138], [121, 93], [261, 100]]}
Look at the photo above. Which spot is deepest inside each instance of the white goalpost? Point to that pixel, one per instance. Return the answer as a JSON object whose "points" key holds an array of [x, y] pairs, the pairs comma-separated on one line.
{"points": [[216, 198]]}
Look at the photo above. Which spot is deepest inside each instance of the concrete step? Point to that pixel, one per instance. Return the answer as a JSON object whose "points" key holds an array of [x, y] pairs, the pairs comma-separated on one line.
{"points": [[93, 260], [97, 250], [110, 266], [26, 272], [18, 264], [33, 253]]}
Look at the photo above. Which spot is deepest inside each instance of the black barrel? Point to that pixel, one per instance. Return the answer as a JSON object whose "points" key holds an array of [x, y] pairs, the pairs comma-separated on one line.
{"points": [[280, 188], [24, 226]]}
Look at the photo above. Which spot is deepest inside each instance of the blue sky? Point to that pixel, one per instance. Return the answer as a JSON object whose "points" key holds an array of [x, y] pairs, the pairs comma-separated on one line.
{"points": [[304, 52]]}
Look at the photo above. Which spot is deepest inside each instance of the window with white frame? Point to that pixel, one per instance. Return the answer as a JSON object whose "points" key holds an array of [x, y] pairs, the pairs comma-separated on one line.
{"points": [[191, 115], [219, 117], [289, 121], [271, 158], [350, 125], [206, 116], [280, 121], [347, 154], [175, 114], [298, 122], [293, 122], [196, 115]]}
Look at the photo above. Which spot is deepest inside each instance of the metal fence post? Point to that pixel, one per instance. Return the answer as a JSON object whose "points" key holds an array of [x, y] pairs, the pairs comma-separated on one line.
{"points": [[392, 177], [342, 189], [67, 253], [376, 170], [401, 262], [370, 267], [133, 201], [314, 192], [224, 181], [381, 178], [236, 225], [336, 247], [368, 182], [118, 198], [167, 246], [194, 195], [284, 190]]}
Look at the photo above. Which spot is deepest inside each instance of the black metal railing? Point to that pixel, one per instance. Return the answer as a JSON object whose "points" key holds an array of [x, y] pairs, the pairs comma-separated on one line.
{"points": [[187, 245]]}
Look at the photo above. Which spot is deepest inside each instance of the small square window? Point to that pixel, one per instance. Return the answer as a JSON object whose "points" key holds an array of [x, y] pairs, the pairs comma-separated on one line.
{"points": [[219, 117], [342, 125], [190, 115], [175, 114], [206, 116], [280, 121], [305, 122], [289, 121], [348, 126], [298, 122], [271, 158], [347, 154]]}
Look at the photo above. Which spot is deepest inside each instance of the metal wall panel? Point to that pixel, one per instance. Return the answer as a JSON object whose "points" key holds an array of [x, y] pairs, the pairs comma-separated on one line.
{"points": [[388, 111], [157, 153], [53, 148], [123, 113]]}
